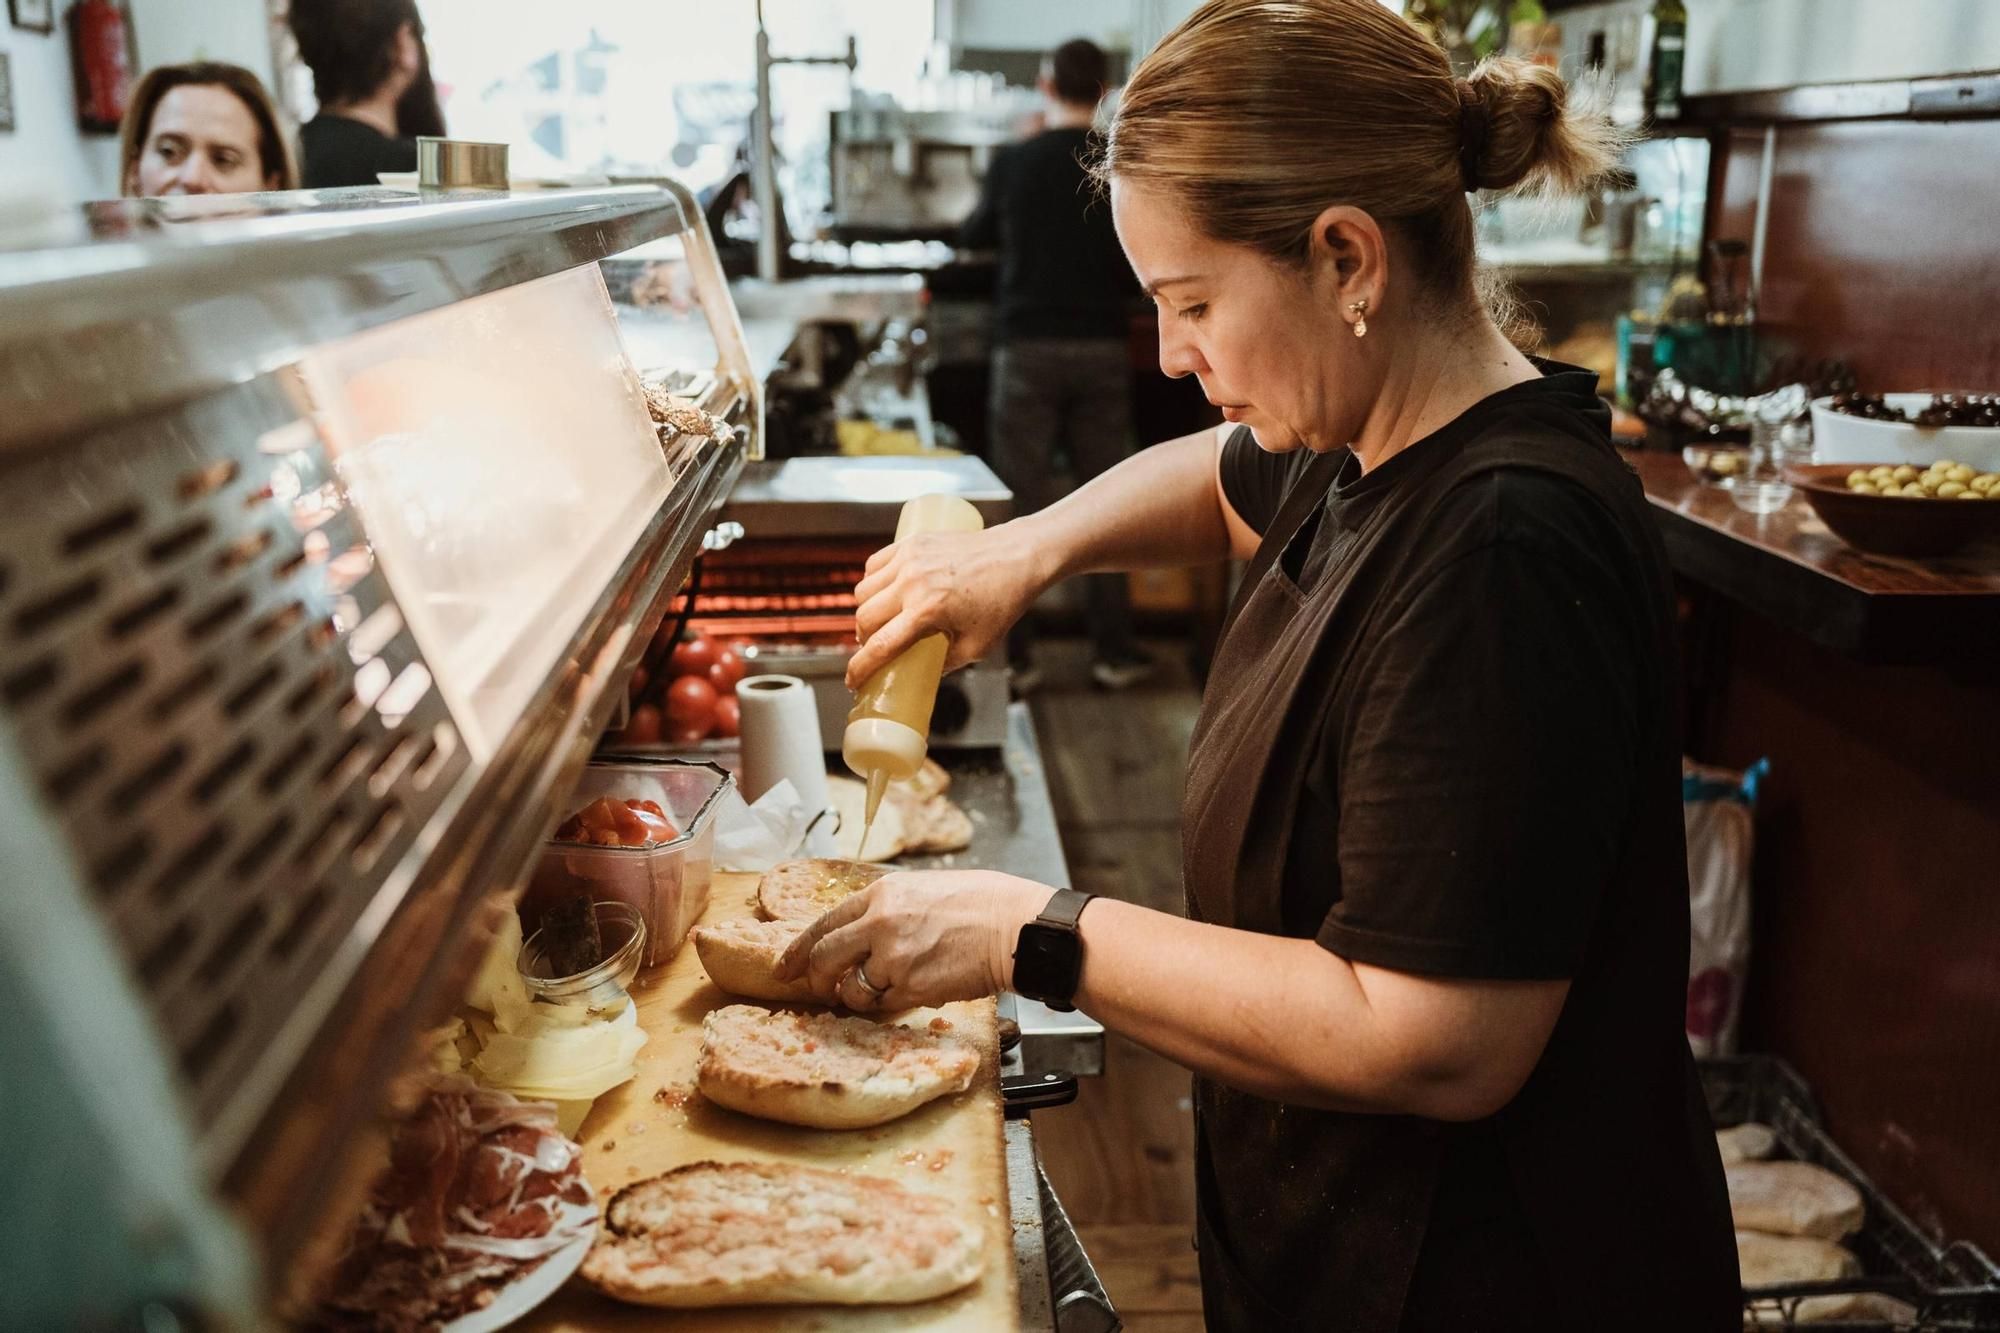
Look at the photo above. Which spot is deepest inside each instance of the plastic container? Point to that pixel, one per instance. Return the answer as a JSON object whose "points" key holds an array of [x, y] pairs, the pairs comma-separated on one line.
{"points": [[667, 882]]}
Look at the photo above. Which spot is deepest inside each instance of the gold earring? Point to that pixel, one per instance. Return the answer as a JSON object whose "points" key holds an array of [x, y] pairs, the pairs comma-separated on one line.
{"points": [[1359, 309]]}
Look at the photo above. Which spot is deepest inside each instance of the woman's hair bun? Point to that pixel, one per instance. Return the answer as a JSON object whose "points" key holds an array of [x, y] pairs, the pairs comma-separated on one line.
{"points": [[1526, 131]]}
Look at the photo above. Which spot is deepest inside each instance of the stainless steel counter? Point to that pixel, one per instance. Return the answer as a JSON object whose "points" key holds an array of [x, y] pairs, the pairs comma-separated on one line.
{"points": [[1059, 1288]]}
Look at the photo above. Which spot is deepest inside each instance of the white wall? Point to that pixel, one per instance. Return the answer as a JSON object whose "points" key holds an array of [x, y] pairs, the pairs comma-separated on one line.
{"points": [[47, 155], [171, 31]]}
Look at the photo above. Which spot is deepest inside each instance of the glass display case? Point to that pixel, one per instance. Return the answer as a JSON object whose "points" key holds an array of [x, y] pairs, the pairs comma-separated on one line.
{"points": [[331, 526]]}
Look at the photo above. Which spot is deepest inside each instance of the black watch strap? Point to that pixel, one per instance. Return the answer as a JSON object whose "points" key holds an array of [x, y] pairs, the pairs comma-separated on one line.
{"points": [[1048, 956], [1064, 909]]}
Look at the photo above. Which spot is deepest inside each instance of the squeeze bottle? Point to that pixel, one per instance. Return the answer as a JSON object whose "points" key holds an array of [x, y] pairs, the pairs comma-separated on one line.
{"points": [[889, 727]]}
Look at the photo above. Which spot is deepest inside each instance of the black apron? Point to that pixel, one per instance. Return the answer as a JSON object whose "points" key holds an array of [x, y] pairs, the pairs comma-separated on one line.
{"points": [[1314, 1219]]}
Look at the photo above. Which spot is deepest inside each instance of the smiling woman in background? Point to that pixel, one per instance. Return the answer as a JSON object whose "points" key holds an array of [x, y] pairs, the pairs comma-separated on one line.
{"points": [[202, 128]]}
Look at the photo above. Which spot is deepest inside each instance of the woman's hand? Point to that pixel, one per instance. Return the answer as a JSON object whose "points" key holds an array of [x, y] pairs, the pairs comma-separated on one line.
{"points": [[971, 586], [917, 938]]}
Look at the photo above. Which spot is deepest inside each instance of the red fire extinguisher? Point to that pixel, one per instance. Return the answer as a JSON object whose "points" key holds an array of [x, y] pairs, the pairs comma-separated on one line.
{"points": [[100, 46]]}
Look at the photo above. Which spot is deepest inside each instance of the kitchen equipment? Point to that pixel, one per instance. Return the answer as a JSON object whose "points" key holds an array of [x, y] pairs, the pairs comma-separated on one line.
{"points": [[667, 883], [1841, 438], [787, 585], [891, 721], [656, 1122], [1894, 524], [901, 174]]}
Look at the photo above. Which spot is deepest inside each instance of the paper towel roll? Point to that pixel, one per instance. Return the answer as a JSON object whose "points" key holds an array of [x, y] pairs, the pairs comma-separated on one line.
{"points": [[781, 742]]}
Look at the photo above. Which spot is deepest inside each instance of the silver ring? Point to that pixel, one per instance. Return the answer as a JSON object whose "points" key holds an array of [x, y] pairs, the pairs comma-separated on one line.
{"points": [[861, 975]]}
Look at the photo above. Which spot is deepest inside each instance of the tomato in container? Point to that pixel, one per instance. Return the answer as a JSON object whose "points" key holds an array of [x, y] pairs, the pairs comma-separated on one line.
{"points": [[728, 716], [640, 832]]}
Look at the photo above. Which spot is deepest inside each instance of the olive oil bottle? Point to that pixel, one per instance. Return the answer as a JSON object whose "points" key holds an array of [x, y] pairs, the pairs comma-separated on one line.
{"points": [[888, 730]]}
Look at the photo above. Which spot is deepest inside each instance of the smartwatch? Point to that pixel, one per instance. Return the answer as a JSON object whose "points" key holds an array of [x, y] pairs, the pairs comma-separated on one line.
{"points": [[1048, 956]]}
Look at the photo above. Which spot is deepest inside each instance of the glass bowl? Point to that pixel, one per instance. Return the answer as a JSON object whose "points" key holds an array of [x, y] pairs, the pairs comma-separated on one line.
{"points": [[604, 988], [1717, 462]]}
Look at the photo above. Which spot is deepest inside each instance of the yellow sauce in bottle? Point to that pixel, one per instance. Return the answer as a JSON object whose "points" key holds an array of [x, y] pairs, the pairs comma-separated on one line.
{"points": [[888, 729]]}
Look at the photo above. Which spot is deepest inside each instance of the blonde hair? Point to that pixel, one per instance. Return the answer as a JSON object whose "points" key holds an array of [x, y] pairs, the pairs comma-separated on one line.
{"points": [[1256, 115]]}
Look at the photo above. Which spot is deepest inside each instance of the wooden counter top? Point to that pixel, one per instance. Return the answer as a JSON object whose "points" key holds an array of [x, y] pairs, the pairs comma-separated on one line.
{"points": [[657, 1122], [1789, 568]]}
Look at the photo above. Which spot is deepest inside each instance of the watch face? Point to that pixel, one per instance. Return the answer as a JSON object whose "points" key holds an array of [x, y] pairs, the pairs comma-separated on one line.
{"points": [[1045, 962]]}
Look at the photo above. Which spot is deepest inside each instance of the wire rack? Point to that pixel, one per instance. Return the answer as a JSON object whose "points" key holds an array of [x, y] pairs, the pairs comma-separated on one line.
{"points": [[1943, 1286]]}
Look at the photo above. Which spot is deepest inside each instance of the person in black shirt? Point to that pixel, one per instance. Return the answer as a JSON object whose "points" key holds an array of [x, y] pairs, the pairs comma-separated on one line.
{"points": [[1433, 984], [371, 74], [1060, 369]]}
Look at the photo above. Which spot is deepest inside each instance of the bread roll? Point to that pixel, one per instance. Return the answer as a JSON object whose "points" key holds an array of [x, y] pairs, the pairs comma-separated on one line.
{"points": [[1792, 1199], [741, 956], [1767, 1260], [824, 1071], [757, 1233], [803, 890], [1747, 1142]]}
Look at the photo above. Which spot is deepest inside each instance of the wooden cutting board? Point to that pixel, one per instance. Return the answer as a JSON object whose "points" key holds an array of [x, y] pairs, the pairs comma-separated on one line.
{"points": [[952, 1147]]}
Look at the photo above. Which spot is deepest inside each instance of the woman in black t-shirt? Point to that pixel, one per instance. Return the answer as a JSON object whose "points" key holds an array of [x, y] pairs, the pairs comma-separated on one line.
{"points": [[372, 77], [1432, 985]]}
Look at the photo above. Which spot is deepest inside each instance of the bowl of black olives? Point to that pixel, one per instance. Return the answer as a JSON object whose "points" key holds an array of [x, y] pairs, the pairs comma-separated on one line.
{"points": [[1908, 428]]}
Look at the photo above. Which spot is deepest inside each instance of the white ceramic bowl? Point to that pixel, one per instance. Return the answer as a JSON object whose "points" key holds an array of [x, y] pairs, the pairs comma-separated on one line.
{"points": [[1840, 438]]}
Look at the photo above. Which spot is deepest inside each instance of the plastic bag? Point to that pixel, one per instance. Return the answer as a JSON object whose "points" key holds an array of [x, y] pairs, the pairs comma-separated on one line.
{"points": [[1719, 808]]}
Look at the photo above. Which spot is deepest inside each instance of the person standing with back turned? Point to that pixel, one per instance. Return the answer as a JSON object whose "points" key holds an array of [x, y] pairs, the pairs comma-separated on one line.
{"points": [[372, 75], [1060, 368]]}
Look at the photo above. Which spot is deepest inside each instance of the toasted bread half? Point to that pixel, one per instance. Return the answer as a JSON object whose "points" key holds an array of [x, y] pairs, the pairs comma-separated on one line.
{"points": [[936, 825], [803, 890], [758, 1233], [741, 957], [824, 1071]]}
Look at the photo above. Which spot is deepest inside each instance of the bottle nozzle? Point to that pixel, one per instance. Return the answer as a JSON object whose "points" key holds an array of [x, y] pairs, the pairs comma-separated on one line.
{"points": [[878, 786]]}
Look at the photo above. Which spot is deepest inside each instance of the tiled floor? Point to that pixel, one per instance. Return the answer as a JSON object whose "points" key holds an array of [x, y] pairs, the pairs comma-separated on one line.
{"points": [[1122, 1157]]}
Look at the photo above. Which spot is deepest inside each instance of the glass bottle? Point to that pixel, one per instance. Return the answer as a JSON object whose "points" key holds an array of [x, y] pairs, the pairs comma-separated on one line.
{"points": [[1669, 53]]}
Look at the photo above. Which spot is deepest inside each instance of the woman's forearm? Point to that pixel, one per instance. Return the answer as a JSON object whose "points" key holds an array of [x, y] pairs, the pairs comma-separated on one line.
{"points": [[1157, 508], [1286, 1019]]}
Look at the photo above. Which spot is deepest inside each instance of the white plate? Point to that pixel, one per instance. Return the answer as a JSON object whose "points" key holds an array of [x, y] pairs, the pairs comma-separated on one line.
{"points": [[518, 1297], [1840, 438]]}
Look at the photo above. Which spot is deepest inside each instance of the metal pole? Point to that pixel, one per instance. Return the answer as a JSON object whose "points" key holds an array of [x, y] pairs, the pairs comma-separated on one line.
{"points": [[1762, 221], [764, 169]]}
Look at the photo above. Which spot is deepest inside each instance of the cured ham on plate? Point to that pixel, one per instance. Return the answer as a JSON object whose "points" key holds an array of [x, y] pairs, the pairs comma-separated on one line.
{"points": [[482, 1213]]}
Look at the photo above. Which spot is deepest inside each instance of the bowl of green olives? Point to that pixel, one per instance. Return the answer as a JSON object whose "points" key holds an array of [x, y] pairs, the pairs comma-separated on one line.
{"points": [[1940, 508]]}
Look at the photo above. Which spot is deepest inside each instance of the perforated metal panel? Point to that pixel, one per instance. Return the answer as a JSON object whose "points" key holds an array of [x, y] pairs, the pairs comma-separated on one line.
{"points": [[222, 705]]}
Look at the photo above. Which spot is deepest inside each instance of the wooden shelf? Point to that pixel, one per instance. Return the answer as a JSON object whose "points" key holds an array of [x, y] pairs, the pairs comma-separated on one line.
{"points": [[1788, 567]]}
